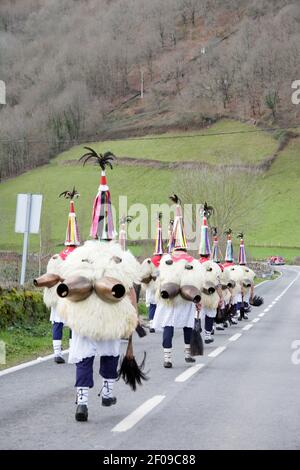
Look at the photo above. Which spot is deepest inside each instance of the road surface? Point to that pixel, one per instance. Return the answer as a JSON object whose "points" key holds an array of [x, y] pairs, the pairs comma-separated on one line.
{"points": [[244, 393]]}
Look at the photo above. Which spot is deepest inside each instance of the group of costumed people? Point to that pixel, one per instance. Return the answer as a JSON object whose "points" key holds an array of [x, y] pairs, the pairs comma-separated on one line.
{"points": [[195, 295], [93, 288]]}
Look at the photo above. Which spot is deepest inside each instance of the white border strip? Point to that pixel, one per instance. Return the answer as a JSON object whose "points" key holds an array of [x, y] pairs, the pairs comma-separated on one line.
{"points": [[217, 351], [138, 414], [247, 327], [24, 365], [235, 337], [189, 373]]}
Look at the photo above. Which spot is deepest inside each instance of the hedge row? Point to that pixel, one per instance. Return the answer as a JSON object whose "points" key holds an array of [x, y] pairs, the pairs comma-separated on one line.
{"points": [[20, 306]]}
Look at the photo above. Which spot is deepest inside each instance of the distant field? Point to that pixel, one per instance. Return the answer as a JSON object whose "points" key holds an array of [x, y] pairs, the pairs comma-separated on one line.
{"points": [[279, 218], [145, 187], [281, 211], [243, 147]]}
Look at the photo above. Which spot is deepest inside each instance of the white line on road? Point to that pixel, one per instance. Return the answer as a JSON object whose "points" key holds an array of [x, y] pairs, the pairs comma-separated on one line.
{"points": [[266, 310], [255, 320], [29, 364], [138, 414], [217, 351], [235, 337], [262, 314], [188, 373], [247, 327]]}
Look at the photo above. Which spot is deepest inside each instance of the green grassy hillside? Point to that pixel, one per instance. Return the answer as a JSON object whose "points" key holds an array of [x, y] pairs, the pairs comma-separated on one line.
{"points": [[280, 214], [231, 147]]}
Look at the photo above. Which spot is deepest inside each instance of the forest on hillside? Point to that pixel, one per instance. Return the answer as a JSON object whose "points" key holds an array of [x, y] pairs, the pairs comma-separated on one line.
{"points": [[69, 65]]}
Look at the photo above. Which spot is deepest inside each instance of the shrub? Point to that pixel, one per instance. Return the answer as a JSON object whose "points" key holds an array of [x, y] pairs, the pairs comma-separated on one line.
{"points": [[142, 310], [21, 307]]}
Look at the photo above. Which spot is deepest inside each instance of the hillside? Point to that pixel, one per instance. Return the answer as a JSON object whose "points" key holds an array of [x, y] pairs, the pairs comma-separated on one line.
{"points": [[276, 217], [73, 71]]}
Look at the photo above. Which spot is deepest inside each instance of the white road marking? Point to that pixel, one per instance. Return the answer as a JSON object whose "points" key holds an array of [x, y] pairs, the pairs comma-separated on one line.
{"points": [[217, 351], [235, 337], [138, 414], [29, 364], [266, 310], [247, 327], [188, 373], [255, 320], [261, 314]]}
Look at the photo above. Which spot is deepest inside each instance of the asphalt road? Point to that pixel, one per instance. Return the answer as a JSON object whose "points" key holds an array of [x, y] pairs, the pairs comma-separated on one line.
{"points": [[246, 396]]}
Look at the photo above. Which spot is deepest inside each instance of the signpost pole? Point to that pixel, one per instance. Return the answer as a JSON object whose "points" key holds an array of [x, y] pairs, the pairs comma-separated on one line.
{"points": [[26, 239]]}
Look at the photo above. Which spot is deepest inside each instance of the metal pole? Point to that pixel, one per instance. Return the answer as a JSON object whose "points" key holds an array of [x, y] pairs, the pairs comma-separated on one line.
{"points": [[142, 84], [26, 239]]}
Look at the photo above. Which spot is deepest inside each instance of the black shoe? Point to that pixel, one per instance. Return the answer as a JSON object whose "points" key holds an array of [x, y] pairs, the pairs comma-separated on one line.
{"points": [[212, 332], [81, 413], [240, 318], [168, 365], [208, 341], [225, 325], [152, 330], [190, 359], [109, 401], [59, 360], [220, 328]]}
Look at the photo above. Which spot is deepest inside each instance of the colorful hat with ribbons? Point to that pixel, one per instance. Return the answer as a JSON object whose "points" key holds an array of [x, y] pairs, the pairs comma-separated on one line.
{"points": [[178, 233], [204, 248], [102, 227], [72, 232], [158, 250], [216, 251], [229, 247], [242, 253]]}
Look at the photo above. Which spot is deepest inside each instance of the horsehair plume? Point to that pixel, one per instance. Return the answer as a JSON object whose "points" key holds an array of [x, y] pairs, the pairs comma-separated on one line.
{"points": [[130, 371], [228, 231], [174, 198], [196, 343], [70, 194], [214, 231], [100, 159], [257, 301], [240, 235]]}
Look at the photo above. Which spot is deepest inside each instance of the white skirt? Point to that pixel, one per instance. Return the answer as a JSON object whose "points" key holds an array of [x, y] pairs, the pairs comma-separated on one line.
{"points": [[150, 296], [82, 347], [179, 316], [54, 316], [209, 312], [237, 298]]}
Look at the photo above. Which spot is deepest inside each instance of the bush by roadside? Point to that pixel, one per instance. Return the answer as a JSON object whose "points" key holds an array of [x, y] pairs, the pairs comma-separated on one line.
{"points": [[21, 307]]}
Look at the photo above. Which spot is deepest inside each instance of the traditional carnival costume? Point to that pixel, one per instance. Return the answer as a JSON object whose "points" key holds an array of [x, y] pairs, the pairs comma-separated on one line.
{"points": [[54, 266], [215, 257], [210, 298], [150, 272], [229, 262], [98, 301], [175, 307]]}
